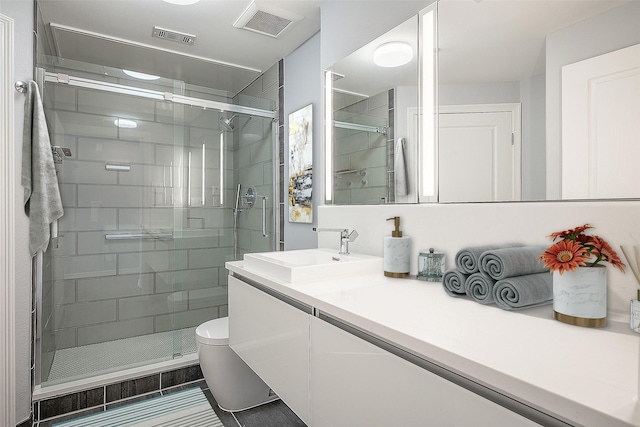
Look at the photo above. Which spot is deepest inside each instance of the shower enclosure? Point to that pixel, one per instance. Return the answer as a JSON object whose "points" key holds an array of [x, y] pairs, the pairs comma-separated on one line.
{"points": [[154, 178]]}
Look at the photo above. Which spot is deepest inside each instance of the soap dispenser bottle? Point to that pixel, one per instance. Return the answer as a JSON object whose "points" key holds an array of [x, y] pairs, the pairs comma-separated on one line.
{"points": [[397, 252]]}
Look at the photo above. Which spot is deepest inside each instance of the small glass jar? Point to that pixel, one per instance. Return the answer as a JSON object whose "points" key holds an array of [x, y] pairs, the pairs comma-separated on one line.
{"points": [[430, 266], [634, 319]]}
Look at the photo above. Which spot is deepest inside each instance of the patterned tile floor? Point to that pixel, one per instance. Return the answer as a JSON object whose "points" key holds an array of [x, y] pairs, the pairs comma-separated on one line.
{"points": [[81, 362]]}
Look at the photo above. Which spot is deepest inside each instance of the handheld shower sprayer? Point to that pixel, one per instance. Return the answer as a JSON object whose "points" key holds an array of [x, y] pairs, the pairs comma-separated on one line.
{"points": [[235, 209]]}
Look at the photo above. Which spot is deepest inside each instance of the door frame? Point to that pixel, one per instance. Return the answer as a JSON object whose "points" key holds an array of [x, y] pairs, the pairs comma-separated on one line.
{"points": [[7, 222], [516, 134]]}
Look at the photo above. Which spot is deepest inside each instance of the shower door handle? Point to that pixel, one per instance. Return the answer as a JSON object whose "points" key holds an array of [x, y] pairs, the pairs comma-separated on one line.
{"points": [[264, 217]]}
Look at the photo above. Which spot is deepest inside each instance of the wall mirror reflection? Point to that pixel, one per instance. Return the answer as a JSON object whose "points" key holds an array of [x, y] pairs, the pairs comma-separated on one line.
{"points": [[373, 98], [537, 100]]}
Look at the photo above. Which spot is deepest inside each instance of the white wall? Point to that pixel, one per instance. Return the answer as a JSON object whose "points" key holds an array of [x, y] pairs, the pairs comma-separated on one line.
{"points": [[21, 11], [349, 25], [533, 138], [478, 93], [303, 86], [450, 227], [603, 33]]}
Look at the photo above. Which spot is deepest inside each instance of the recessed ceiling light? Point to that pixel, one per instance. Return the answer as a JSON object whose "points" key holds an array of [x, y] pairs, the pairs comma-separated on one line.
{"points": [[393, 54], [182, 2], [125, 123], [141, 76]]}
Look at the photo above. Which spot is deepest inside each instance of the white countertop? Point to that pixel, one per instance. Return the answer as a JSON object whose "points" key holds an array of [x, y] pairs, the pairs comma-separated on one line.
{"points": [[588, 377]]}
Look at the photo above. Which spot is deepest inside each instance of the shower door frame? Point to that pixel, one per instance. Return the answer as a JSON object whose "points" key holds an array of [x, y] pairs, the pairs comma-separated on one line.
{"points": [[43, 76], [157, 95]]}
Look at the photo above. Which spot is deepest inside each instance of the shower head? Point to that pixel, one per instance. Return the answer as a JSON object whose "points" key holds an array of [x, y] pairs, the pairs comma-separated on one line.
{"points": [[227, 124]]}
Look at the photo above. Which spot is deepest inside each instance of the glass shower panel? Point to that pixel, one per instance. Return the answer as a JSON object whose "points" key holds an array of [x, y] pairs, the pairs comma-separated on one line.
{"points": [[218, 157], [110, 278], [254, 171], [149, 187]]}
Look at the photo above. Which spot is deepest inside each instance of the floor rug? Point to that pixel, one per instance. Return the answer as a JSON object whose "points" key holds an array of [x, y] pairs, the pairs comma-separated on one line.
{"points": [[188, 408]]}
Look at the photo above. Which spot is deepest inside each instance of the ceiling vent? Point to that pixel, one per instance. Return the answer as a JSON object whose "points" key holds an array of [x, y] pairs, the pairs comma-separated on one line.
{"points": [[184, 38], [266, 20]]}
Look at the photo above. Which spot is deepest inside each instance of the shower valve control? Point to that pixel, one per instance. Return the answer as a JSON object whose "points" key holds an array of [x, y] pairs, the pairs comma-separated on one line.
{"points": [[60, 153]]}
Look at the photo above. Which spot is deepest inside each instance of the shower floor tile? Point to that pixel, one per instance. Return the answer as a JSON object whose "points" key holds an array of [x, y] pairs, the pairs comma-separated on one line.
{"points": [[95, 359]]}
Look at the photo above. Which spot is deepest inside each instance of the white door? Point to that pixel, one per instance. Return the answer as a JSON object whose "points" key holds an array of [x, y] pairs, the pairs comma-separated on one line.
{"points": [[601, 126], [479, 153]]}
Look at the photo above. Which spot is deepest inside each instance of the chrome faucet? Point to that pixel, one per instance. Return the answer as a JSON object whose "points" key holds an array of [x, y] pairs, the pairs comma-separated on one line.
{"points": [[346, 236]]}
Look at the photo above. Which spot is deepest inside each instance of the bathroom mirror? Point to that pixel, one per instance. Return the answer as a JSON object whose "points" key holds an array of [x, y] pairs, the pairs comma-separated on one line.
{"points": [[373, 94], [501, 65], [500, 71]]}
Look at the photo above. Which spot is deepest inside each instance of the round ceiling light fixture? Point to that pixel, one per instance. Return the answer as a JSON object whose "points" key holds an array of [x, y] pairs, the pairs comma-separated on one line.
{"points": [[125, 123], [393, 54], [139, 75], [182, 2]]}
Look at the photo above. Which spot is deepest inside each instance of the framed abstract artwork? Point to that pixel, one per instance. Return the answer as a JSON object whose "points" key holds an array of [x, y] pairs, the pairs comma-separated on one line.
{"points": [[301, 165]]}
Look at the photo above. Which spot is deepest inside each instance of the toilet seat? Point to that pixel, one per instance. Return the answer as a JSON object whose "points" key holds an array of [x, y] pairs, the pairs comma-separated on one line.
{"points": [[214, 332]]}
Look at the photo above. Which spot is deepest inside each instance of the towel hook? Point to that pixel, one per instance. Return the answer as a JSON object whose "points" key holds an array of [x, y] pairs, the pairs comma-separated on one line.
{"points": [[21, 86]]}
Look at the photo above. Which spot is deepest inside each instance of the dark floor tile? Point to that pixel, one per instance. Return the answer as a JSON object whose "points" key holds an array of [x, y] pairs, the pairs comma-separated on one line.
{"points": [[133, 400], [202, 384], [224, 416], [91, 398], [274, 414], [181, 376], [132, 388], [71, 402], [50, 423]]}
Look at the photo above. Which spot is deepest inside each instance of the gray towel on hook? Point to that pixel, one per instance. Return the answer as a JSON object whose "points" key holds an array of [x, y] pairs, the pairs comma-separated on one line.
{"points": [[509, 262], [531, 290], [453, 282], [42, 201], [400, 169], [467, 259], [479, 287]]}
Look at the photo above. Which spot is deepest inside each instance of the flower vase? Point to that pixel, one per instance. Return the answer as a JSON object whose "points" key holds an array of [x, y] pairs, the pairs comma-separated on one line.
{"points": [[580, 296]]}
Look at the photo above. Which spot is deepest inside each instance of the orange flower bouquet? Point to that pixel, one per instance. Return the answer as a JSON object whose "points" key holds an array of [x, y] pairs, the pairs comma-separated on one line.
{"points": [[577, 249]]}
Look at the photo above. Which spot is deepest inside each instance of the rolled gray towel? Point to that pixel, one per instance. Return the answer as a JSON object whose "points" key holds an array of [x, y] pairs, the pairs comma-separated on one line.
{"points": [[519, 292], [479, 287], [467, 259], [509, 262], [453, 282]]}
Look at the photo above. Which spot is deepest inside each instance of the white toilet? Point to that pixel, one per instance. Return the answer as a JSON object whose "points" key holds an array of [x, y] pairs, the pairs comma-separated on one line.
{"points": [[233, 384]]}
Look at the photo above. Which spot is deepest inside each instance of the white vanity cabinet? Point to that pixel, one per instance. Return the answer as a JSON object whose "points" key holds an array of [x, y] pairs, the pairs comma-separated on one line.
{"points": [[272, 337], [354, 382]]}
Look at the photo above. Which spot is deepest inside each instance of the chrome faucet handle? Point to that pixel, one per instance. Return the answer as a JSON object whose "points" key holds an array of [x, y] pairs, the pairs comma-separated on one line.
{"points": [[345, 237]]}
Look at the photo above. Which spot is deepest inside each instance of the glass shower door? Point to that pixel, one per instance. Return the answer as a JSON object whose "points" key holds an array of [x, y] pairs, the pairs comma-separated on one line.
{"points": [[108, 292], [149, 188]]}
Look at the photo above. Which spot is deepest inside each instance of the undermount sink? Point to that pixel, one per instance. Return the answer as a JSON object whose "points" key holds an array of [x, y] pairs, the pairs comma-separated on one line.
{"points": [[308, 265]]}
